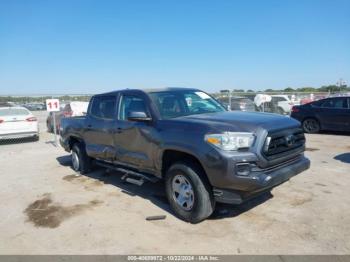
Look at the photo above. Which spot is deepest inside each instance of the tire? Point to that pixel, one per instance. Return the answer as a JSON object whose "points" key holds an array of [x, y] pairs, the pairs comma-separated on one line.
{"points": [[311, 126], [36, 138], [199, 200], [81, 163]]}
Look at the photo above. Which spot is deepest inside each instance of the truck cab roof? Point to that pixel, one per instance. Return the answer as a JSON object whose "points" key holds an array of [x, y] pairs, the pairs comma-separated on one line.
{"points": [[150, 90]]}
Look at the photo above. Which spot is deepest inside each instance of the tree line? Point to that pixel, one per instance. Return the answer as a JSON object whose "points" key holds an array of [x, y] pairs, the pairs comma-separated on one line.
{"points": [[41, 99], [328, 88]]}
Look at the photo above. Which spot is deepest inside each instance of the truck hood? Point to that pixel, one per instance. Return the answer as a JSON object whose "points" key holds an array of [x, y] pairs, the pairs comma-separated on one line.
{"points": [[238, 121]]}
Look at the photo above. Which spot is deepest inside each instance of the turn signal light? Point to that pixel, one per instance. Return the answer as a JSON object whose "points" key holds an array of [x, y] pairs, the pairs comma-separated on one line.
{"points": [[213, 140]]}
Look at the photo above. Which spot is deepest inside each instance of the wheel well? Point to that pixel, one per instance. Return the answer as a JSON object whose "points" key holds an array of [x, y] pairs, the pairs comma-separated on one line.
{"points": [[311, 117], [172, 156], [72, 141]]}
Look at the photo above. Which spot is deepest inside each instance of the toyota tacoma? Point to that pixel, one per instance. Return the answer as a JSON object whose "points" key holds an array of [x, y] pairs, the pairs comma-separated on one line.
{"points": [[204, 153]]}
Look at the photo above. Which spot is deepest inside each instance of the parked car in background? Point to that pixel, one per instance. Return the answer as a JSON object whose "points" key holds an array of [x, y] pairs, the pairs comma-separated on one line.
{"points": [[242, 104], [76, 108], [306, 100], [238, 103], [284, 104], [18, 122], [6, 104], [71, 109], [327, 114], [294, 99], [279, 104], [50, 122], [35, 106]]}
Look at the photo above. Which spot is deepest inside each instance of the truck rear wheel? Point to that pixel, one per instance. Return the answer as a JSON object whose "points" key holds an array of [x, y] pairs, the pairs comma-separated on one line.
{"points": [[80, 161], [189, 192]]}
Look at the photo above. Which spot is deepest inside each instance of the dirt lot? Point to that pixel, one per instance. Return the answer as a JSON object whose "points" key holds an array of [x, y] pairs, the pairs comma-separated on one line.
{"points": [[46, 209]]}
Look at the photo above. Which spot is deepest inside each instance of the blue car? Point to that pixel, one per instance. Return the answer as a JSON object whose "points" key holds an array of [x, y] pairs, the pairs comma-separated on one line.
{"points": [[331, 114]]}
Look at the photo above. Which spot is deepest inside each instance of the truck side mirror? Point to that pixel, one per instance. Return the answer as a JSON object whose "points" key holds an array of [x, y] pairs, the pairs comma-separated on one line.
{"points": [[138, 116]]}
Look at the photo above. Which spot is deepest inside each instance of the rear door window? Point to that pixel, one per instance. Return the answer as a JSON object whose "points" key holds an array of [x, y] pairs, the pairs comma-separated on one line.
{"points": [[336, 103], [131, 103], [104, 107]]}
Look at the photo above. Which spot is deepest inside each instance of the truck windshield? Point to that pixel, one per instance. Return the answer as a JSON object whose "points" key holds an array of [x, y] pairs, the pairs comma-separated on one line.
{"points": [[179, 103]]}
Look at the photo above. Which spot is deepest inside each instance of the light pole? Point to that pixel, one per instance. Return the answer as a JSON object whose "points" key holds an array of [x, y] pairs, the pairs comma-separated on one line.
{"points": [[341, 83], [229, 97]]}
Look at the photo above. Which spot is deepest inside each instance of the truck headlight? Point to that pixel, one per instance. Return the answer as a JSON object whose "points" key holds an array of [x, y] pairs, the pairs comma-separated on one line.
{"points": [[230, 140]]}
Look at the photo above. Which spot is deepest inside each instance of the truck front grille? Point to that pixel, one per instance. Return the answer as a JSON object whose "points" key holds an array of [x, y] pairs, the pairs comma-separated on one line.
{"points": [[285, 142]]}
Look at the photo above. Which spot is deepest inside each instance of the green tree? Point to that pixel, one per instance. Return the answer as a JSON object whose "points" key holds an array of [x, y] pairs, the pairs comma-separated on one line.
{"points": [[288, 89], [307, 89]]}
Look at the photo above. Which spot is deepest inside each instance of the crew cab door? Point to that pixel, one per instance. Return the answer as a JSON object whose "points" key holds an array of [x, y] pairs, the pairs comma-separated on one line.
{"points": [[135, 140], [100, 127]]}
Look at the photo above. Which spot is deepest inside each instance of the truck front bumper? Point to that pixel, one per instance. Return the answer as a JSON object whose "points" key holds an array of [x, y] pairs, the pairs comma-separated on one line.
{"points": [[260, 181]]}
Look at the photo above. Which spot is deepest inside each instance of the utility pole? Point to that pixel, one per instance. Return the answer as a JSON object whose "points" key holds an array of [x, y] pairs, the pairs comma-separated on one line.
{"points": [[341, 83]]}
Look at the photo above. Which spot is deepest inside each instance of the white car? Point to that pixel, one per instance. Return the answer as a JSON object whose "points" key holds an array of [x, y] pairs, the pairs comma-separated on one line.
{"points": [[284, 104], [18, 122]]}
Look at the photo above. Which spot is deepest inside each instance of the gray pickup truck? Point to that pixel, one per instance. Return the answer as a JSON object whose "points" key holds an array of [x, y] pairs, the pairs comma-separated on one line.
{"points": [[184, 136]]}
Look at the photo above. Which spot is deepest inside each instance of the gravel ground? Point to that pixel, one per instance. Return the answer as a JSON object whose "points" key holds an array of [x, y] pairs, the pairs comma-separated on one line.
{"points": [[46, 209]]}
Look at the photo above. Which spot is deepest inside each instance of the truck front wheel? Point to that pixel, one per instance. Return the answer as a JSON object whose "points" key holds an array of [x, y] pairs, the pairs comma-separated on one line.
{"points": [[189, 192], [80, 161]]}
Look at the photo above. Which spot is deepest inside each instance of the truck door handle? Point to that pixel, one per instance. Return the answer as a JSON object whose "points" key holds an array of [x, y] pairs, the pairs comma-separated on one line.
{"points": [[89, 126]]}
